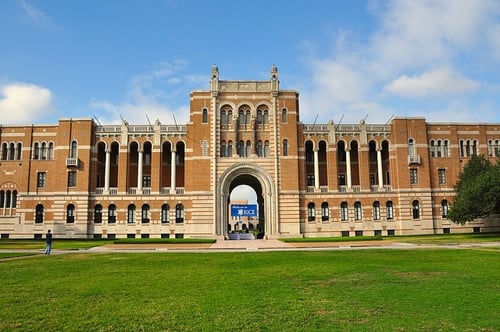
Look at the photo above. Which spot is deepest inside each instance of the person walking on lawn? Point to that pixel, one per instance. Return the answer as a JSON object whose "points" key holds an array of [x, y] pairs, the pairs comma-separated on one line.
{"points": [[48, 241]]}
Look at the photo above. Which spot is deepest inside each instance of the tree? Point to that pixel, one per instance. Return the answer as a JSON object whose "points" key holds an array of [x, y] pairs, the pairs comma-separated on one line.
{"points": [[478, 191]]}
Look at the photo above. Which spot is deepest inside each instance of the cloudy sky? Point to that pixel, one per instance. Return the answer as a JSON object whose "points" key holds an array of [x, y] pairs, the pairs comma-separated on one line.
{"points": [[348, 59]]}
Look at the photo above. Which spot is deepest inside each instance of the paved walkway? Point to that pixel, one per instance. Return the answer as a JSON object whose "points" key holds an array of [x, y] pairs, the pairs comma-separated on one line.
{"points": [[259, 245]]}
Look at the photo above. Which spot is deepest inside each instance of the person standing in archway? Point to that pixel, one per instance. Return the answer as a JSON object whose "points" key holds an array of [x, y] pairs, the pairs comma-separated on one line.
{"points": [[48, 241]]}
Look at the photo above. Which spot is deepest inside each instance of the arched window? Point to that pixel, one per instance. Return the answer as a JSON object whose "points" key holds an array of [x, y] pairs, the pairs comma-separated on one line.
{"points": [[247, 117], [131, 214], [74, 147], [179, 213], [415, 209], [51, 151], [265, 117], [266, 149], [44, 150], [411, 147], [241, 149], [444, 208], [70, 214], [445, 148], [284, 117], [145, 214], [165, 218], [259, 116], [111, 214], [204, 115], [223, 117], [325, 212], [344, 211], [389, 210], [241, 117], [376, 210], [19, 150], [12, 151], [14, 199], [7, 199], [36, 151], [285, 147], [98, 214], [223, 149], [4, 151], [39, 214], [259, 149], [311, 212], [433, 149], [229, 149], [248, 150], [358, 214]]}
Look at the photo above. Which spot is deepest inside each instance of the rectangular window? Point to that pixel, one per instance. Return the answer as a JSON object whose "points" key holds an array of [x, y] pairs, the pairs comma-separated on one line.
{"points": [[413, 176], [41, 179], [342, 179], [72, 179], [310, 180], [442, 175], [146, 181]]}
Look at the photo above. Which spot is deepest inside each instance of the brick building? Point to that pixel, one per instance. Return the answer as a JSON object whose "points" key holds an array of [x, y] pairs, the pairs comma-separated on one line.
{"points": [[82, 179]]}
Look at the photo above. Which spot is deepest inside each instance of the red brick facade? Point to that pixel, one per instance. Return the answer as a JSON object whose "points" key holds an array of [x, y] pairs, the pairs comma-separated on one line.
{"points": [[82, 179]]}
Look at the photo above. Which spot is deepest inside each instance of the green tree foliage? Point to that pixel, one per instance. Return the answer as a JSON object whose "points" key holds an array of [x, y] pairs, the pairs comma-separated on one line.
{"points": [[478, 191]]}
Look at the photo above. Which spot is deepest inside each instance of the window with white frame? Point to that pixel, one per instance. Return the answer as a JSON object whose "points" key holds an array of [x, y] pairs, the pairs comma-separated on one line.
{"points": [[376, 210], [165, 218], [442, 175], [358, 214], [444, 208], [389, 210], [311, 212], [41, 179], [344, 211], [131, 214], [413, 176], [325, 212]]}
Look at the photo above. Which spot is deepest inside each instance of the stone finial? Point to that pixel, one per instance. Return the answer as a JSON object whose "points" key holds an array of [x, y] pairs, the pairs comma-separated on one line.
{"points": [[274, 72], [215, 72]]}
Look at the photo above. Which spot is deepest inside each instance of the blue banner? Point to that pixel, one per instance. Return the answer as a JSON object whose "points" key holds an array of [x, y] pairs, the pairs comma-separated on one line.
{"points": [[244, 210]]}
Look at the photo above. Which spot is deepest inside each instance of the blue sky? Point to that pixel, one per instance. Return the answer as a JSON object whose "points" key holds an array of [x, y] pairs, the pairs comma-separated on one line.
{"points": [[348, 59]]}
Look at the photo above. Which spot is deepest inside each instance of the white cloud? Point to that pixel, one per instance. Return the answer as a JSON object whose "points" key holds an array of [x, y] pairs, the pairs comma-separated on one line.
{"points": [[441, 81], [445, 41], [416, 33], [152, 95], [37, 17], [24, 103]]}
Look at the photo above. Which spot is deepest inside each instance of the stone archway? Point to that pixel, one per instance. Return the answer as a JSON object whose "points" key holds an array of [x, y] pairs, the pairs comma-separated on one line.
{"points": [[261, 181]]}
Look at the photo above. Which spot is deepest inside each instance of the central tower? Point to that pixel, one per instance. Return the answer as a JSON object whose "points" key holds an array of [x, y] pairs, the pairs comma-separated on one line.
{"points": [[245, 132]]}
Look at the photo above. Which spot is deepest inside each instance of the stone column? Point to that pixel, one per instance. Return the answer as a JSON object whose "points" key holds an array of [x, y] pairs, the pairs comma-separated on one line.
{"points": [[316, 168], [106, 171], [348, 167], [379, 169], [139, 172], [172, 172]]}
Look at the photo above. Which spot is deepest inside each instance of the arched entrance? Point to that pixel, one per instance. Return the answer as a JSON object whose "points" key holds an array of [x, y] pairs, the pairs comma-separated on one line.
{"points": [[260, 180]]}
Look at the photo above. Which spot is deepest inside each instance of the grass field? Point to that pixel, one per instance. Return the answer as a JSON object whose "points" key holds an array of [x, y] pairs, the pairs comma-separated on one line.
{"points": [[361, 290]]}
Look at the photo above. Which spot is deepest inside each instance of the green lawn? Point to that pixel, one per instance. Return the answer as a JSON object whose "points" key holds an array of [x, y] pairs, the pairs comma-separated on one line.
{"points": [[358, 290]]}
